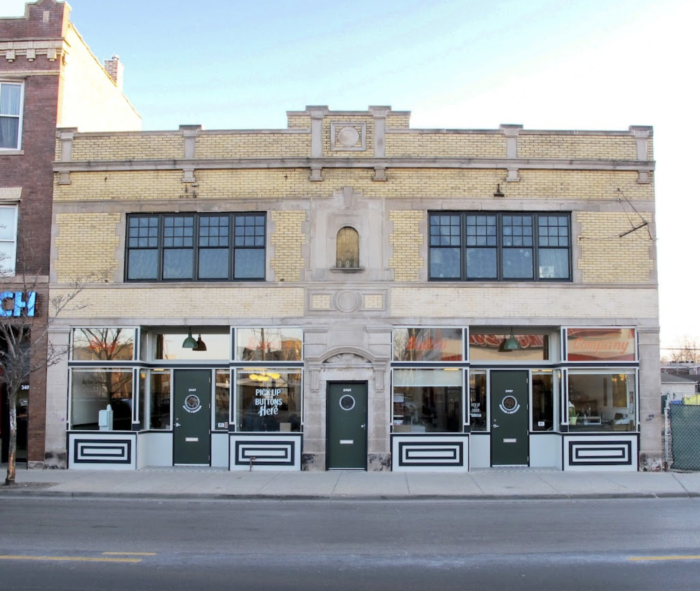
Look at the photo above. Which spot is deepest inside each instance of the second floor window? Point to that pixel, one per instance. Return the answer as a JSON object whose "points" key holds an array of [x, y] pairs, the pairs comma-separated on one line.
{"points": [[10, 115], [196, 247], [477, 246]]}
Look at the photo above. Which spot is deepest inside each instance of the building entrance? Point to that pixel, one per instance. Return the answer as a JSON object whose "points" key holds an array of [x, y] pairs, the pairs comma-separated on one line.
{"points": [[509, 418], [192, 429], [347, 426]]}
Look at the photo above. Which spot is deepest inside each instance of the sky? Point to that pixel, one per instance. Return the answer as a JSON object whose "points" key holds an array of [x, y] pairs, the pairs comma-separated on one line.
{"points": [[474, 64]]}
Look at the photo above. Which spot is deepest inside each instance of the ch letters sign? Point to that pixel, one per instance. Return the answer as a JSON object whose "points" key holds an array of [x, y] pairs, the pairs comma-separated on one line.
{"points": [[18, 303]]}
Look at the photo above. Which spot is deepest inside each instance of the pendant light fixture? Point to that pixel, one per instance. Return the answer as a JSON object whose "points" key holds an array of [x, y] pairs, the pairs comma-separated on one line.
{"points": [[509, 344], [189, 342], [201, 345]]}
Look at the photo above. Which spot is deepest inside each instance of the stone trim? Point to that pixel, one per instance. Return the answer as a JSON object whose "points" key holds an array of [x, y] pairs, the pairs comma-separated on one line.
{"points": [[30, 49], [12, 194]]}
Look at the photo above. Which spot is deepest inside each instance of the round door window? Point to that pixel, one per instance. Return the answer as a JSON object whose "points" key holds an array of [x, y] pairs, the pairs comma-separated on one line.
{"points": [[347, 402], [192, 403], [509, 405]]}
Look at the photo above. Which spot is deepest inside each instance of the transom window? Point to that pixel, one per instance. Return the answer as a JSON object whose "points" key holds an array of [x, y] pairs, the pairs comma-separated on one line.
{"points": [[196, 247], [10, 115], [500, 246]]}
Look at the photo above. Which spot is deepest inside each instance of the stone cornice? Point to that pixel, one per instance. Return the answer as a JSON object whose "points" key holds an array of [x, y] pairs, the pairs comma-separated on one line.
{"points": [[32, 48], [388, 163]]}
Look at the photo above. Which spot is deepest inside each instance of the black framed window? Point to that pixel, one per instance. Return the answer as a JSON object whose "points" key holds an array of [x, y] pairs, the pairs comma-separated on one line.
{"points": [[201, 247], [500, 246]]}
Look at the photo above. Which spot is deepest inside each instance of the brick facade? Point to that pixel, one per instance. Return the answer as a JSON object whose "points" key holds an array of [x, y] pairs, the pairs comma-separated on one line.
{"points": [[62, 84], [369, 171]]}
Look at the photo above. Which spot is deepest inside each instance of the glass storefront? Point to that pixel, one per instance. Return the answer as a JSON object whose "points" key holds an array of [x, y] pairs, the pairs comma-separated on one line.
{"points": [[602, 400], [268, 399], [93, 389], [428, 400]]}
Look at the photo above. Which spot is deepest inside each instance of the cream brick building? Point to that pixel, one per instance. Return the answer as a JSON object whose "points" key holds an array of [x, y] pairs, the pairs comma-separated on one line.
{"points": [[351, 293]]}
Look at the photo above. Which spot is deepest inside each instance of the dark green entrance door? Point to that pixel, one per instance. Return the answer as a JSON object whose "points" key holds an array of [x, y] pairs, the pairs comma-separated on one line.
{"points": [[509, 424], [347, 426], [192, 432]]}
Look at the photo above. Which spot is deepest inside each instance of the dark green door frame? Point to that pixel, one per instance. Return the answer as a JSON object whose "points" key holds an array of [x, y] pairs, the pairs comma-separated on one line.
{"points": [[510, 393], [192, 417], [346, 426]]}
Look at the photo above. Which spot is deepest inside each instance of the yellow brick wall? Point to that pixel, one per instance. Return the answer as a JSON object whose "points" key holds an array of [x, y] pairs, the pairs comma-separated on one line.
{"points": [[298, 121], [445, 145], [406, 239], [402, 183], [253, 145], [524, 301], [127, 146], [398, 121], [86, 245], [287, 240], [216, 301], [594, 147], [607, 258], [369, 137]]}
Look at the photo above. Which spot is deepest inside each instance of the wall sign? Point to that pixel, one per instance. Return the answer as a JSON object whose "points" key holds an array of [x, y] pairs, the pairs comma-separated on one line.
{"points": [[18, 303]]}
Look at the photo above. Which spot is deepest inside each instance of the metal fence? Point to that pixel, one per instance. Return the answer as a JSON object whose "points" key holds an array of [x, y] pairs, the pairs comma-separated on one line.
{"points": [[682, 435]]}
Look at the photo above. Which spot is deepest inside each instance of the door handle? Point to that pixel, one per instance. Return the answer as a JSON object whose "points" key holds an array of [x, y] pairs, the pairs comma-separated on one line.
{"points": [[495, 426], [363, 426], [178, 425]]}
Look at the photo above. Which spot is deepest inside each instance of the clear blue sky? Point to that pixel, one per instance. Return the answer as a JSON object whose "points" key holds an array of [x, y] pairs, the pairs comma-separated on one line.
{"points": [[547, 64]]}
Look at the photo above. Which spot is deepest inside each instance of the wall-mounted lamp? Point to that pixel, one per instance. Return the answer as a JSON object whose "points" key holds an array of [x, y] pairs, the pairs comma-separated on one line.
{"points": [[498, 192], [509, 344]]}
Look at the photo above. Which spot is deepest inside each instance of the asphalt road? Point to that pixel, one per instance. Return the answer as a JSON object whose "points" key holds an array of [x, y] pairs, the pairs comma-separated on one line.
{"points": [[82, 545]]}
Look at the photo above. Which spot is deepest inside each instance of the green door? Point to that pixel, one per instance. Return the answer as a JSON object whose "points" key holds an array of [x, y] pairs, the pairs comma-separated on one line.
{"points": [[347, 426], [509, 424], [192, 432]]}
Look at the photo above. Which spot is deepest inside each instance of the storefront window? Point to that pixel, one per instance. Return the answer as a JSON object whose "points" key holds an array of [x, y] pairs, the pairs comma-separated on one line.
{"points": [[269, 344], [214, 345], [92, 390], [103, 344], [602, 401], [223, 396], [542, 401], [600, 344], [268, 399], [428, 400], [491, 347], [159, 406], [428, 344], [477, 401]]}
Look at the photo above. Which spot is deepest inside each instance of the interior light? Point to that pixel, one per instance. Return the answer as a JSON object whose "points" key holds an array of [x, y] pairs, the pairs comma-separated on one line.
{"points": [[509, 344], [189, 342]]}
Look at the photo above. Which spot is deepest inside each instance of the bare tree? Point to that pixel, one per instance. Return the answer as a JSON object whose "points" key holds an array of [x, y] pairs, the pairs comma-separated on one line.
{"points": [[24, 346], [686, 351]]}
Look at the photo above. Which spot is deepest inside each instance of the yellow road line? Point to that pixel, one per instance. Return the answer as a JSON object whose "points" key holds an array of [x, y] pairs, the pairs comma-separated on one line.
{"points": [[129, 554], [664, 558], [69, 558]]}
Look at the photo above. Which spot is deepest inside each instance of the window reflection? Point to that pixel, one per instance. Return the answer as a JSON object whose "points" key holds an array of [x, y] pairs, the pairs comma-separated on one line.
{"points": [[269, 399], [160, 399], [602, 401], [103, 344], [428, 344], [269, 344], [427, 400], [93, 390], [487, 347]]}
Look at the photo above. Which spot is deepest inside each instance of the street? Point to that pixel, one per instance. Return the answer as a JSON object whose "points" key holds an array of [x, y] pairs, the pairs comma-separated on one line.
{"points": [[82, 545]]}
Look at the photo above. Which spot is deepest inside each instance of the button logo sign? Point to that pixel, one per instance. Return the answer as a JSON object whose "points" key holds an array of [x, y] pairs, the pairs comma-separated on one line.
{"points": [[192, 404], [509, 405]]}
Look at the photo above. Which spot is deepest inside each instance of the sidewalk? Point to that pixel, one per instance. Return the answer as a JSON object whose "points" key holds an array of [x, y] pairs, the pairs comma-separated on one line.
{"points": [[213, 483]]}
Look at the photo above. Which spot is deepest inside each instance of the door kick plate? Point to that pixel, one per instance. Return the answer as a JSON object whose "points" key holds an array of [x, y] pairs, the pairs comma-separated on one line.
{"points": [[346, 442]]}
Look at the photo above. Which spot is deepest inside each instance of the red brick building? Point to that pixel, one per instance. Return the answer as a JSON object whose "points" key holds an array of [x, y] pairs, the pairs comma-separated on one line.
{"points": [[48, 78]]}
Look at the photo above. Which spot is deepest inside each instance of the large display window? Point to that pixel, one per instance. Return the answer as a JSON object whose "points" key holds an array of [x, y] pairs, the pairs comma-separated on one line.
{"points": [[428, 400], [269, 344], [600, 400], [603, 345], [92, 390], [103, 344], [268, 399]]}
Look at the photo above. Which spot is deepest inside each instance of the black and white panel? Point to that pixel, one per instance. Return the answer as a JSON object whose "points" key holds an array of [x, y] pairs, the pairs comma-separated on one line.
{"points": [[265, 452], [101, 451], [412, 453], [601, 453]]}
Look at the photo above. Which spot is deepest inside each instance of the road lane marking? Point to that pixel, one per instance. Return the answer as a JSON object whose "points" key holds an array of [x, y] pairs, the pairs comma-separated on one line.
{"points": [[637, 558], [68, 558], [129, 554]]}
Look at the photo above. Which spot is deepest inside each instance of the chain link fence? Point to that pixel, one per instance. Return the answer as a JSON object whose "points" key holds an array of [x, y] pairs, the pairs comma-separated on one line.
{"points": [[681, 434]]}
